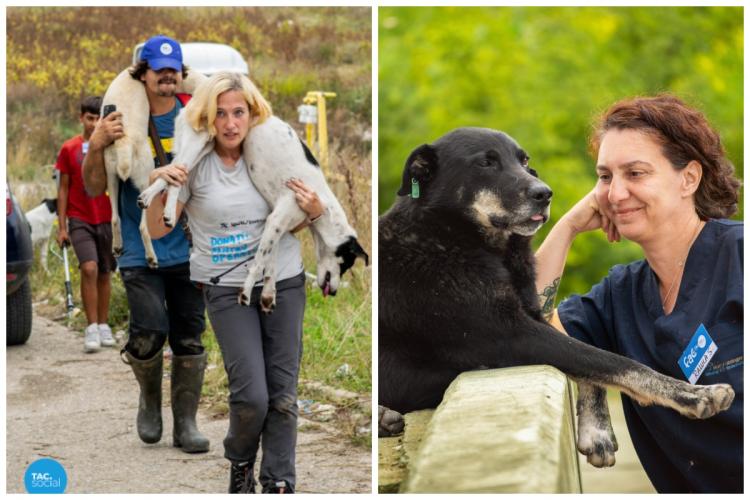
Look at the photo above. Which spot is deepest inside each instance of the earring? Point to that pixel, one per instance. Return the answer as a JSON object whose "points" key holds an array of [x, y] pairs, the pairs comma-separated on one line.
{"points": [[414, 188]]}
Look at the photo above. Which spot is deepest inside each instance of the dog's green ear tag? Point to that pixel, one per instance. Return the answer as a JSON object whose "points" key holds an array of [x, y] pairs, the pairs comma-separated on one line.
{"points": [[414, 188]]}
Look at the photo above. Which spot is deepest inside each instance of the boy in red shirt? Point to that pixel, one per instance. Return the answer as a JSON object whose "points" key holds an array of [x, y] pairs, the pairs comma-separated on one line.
{"points": [[85, 222]]}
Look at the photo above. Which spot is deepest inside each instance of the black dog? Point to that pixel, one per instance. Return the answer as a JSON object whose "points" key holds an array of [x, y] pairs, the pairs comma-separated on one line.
{"points": [[457, 291]]}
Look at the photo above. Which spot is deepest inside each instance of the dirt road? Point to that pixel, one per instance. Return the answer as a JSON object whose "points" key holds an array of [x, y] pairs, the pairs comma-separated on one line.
{"points": [[80, 410]]}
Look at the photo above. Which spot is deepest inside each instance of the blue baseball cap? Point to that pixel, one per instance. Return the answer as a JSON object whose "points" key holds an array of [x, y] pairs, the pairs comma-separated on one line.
{"points": [[162, 52]]}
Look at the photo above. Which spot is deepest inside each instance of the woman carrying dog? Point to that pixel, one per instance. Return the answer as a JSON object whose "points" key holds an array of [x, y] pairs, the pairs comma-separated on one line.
{"points": [[666, 184], [226, 217]]}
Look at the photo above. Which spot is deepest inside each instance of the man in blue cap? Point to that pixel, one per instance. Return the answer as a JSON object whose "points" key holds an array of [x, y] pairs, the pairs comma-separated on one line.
{"points": [[164, 303]]}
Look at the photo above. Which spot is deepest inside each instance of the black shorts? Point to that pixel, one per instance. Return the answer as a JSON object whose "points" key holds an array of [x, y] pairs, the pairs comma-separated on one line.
{"points": [[92, 243]]}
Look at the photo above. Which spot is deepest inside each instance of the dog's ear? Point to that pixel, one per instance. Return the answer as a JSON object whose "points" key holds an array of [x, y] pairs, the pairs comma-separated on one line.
{"points": [[420, 166], [349, 251], [51, 205]]}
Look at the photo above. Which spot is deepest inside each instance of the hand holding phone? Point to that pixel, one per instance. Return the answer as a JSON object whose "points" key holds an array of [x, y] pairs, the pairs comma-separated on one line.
{"points": [[109, 108]]}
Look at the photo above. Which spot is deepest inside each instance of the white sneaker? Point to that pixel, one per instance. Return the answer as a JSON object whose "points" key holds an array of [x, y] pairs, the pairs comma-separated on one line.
{"points": [[105, 335], [91, 343]]}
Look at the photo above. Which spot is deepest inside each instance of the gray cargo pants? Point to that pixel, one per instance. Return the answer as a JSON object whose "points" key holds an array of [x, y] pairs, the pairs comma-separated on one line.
{"points": [[262, 354]]}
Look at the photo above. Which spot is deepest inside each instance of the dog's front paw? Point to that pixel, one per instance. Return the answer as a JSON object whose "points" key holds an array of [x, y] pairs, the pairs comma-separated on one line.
{"points": [[117, 251], [708, 400], [243, 298], [390, 423], [152, 262], [599, 445], [168, 221], [143, 201]]}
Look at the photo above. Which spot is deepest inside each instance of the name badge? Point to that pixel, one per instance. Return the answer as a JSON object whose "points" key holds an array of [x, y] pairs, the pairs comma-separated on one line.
{"points": [[698, 353]]}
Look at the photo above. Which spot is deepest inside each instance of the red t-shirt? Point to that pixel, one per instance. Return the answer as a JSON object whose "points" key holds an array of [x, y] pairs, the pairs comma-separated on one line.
{"points": [[80, 205]]}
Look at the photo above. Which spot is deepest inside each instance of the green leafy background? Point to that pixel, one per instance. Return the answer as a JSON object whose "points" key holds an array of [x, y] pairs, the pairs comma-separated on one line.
{"points": [[543, 75]]}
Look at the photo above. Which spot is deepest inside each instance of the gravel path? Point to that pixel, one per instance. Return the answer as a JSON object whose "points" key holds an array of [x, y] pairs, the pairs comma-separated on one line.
{"points": [[80, 410]]}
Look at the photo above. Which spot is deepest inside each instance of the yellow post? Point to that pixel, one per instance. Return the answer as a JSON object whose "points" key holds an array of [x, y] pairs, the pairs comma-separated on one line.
{"points": [[318, 98], [310, 135]]}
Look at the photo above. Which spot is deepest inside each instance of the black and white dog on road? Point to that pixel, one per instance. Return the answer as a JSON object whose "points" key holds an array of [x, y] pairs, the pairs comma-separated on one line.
{"points": [[457, 292]]}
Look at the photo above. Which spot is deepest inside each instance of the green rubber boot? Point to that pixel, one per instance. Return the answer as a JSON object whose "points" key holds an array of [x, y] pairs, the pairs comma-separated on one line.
{"points": [[148, 373], [187, 380]]}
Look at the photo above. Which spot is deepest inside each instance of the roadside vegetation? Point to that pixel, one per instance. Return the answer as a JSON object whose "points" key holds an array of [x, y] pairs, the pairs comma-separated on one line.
{"points": [[58, 55]]}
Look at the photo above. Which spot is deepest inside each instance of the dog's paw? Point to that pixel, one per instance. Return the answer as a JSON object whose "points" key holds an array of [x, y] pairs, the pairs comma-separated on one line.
{"points": [[243, 298], [267, 303], [390, 423], [142, 202], [599, 445], [168, 221], [710, 400], [152, 262], [117, 251]]}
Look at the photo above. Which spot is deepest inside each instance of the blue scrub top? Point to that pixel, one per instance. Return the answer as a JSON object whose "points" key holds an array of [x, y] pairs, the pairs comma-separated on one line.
{"points": [[172, 249], [623, 314]]}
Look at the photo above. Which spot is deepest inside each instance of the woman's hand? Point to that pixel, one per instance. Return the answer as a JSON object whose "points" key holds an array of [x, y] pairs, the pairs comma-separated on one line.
{"points": [[175, 175], [307, 199], [587, 215]]}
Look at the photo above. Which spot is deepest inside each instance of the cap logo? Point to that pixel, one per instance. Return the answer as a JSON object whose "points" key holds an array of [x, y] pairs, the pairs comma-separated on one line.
{"points": [[165, 49]]}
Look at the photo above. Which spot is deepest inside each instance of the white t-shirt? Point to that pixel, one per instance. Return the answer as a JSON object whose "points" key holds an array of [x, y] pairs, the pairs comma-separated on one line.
{"points": [[226, 215]]}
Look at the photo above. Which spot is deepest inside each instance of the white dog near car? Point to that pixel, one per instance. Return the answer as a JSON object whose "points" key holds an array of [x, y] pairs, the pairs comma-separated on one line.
{"points": [[41, 219], [273, 154]]}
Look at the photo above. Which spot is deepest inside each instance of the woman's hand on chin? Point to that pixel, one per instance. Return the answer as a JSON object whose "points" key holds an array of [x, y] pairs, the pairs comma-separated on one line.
{"points": [[307, 199], [587, 215]]}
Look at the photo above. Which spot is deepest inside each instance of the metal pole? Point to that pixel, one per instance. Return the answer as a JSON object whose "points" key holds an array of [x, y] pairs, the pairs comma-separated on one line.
{"points": [[68, 287]]}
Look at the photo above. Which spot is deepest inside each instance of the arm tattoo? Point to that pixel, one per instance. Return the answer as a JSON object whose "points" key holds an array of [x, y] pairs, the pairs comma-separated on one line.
{"points": [[547, 299]]}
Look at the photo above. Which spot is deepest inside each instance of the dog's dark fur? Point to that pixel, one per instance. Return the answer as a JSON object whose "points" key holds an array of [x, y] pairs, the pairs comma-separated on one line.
{"points": [[457, 286]]}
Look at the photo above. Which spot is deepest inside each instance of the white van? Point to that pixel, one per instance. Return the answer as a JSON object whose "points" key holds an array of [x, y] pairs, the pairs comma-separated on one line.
{"points": [[206, 58]]}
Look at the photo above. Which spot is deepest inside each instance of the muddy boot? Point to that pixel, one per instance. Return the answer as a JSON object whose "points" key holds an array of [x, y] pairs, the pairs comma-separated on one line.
{"points": [[241, 478], [187, 380], [148, 374]]}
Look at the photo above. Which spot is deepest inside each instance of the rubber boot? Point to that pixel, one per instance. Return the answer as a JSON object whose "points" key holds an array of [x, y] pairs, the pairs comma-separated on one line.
{"points": [[187, 380], [148, 374]]}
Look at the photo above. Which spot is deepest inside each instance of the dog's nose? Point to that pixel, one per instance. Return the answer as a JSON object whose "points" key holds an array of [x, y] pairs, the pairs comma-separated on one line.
{"points": [[540, 193]]}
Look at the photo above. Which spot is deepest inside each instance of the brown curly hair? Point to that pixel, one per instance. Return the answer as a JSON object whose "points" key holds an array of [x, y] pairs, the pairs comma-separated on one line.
{"points": [[139, 69], [685, 135]]}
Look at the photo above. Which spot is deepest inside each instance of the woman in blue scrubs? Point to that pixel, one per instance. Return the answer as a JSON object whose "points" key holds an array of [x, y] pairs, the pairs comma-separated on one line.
{"points": [[666, 184]]}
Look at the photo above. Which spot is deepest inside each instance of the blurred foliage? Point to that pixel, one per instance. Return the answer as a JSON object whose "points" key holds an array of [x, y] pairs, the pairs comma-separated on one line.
{"points": [[543, 75], [55, 56]]}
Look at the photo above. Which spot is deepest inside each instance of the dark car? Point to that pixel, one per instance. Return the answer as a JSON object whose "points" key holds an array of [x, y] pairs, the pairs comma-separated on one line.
{"points": [[19, 257]]}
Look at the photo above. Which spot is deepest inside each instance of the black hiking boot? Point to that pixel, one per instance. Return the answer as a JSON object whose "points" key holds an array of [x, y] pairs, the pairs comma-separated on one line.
{"points": [[241, 478], [278, 487]]}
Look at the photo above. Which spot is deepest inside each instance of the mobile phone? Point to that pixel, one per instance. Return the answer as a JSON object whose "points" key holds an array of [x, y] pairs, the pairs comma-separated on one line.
{"points": [[108, 109]]}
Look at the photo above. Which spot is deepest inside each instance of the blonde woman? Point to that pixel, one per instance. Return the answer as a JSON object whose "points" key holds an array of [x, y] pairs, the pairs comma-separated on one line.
{"points": [[226, 217]]}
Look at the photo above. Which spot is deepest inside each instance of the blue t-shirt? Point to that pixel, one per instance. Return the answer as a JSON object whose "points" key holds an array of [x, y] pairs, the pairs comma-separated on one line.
{"points": [[623, 314], [173, 248]]}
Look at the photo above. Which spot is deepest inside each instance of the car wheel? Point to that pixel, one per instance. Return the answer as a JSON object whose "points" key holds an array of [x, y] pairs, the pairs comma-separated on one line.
{"points": [[18, 319]]}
